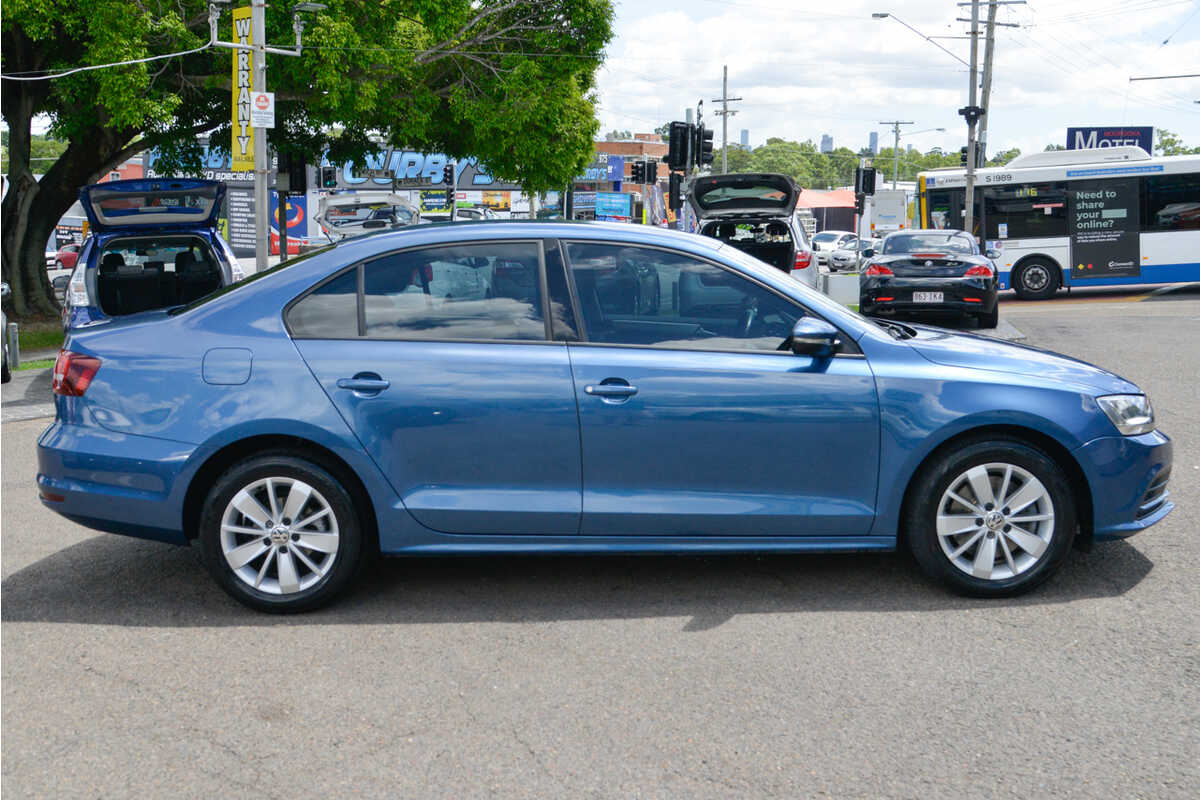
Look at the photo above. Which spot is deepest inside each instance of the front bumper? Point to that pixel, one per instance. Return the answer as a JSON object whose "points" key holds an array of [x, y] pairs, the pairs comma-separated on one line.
{"points": [[959, 295], [119, 483], [1128, 478]]}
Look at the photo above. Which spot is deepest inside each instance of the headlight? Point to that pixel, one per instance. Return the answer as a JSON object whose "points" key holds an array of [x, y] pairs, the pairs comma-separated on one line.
{"points": [[1131, 413]]}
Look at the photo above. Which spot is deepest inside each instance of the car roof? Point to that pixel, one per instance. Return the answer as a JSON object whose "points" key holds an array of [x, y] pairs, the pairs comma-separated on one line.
{"points": [[946, 231]]}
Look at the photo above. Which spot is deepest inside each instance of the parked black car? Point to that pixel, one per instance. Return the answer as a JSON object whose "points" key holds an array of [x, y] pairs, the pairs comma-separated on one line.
{"points": [[930, 270]]}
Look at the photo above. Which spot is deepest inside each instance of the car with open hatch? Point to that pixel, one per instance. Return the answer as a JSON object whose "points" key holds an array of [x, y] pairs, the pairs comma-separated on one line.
{"points": [[153, 243], [755, 213], [930, 271], [505, 388]]}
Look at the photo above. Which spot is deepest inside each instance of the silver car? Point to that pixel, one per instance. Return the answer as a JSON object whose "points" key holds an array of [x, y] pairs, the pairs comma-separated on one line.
{"points": [[846, 256], [825, 242]]}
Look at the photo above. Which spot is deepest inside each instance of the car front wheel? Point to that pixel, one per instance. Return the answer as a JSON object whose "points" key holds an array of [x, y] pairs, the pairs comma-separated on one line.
{"points": [[280, 534], [993, 518], [1036, 280]]}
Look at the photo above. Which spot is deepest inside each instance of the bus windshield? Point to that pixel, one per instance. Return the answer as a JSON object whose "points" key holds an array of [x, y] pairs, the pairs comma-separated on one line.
{"points": [[927, 243]]}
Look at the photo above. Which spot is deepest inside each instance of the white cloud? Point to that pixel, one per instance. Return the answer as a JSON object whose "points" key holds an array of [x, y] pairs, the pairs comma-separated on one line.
{"points": [[807, 68]]}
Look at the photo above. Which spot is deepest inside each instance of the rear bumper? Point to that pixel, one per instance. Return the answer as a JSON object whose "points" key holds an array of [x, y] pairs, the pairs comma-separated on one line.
{"points": [[118, 483], [965, 295], [1128, 478]]}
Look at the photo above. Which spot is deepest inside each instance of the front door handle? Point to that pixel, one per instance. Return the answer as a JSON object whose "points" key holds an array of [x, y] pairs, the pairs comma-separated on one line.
{"points": [[364, 384], [611, 390]]}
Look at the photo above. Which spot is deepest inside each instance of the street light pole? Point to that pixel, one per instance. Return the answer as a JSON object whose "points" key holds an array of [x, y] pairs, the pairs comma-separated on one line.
{"points": [[971, 113]]}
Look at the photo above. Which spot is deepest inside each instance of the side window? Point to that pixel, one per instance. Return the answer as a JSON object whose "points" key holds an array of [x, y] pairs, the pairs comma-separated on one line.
{"points": [[643, 296], [1026, 211], [1172, 203], [329, 312], [477, 291]]}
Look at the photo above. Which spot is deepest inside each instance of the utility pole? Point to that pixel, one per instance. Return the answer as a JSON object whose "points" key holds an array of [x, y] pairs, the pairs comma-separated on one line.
{"points": [[896, 123], [259, 48], [262, 210], [972, 112], [724, 114], [989, 50]]}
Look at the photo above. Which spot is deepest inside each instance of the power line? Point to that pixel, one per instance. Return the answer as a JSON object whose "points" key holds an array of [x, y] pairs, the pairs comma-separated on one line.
{"points": [[46, 75]]}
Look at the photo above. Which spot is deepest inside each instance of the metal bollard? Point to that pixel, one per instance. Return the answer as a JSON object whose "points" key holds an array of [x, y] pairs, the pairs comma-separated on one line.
{"points": [[14, 346]]}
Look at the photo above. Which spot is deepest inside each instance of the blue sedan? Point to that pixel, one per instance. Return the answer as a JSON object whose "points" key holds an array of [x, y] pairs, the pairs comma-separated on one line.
{"points": [[493, 388]]}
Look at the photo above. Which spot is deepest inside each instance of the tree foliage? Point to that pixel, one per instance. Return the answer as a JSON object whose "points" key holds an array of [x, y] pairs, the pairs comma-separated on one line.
{"points": [[812, 169], [509, 82], [1167, 143]]}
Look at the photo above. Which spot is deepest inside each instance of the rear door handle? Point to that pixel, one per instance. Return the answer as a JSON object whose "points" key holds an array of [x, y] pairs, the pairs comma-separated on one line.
{"points": [[611, 390], [366, 384]]}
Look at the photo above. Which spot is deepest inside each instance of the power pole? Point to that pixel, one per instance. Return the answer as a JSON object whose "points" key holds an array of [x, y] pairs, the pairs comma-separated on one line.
{"points": [[972, 112], [724, 114], [259, 48], [262, 230], [896, 148], [989, 50]]}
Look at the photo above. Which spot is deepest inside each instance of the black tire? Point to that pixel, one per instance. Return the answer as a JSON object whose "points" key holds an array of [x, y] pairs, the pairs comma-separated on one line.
{"points": [[5, 372], [990, 319], [928, 491], [348, 560], [1036, 279]]}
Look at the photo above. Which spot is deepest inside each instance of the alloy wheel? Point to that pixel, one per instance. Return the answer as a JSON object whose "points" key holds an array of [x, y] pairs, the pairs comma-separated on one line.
{"points": [[279, 535], [995, 521]]}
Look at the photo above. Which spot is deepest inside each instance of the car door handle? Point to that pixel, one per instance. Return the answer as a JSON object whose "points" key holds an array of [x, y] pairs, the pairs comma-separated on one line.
{"points": [[615, 390], [364, 383]]}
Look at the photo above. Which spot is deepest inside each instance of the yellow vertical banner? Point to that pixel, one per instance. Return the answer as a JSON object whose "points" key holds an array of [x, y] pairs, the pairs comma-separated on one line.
{"points": [[243, 84]]}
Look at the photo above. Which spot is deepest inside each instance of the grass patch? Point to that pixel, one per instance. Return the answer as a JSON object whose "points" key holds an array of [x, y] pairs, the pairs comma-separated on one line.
{"points": [[852, 306], [41, 336], [41, 363]]}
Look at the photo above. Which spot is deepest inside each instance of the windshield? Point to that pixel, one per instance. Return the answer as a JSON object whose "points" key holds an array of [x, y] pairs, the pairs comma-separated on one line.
{"points": [[927, 243], [822, 238]]}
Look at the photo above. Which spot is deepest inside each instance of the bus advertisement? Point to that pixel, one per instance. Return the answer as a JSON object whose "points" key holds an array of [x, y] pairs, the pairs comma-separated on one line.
{"points": [[1099, 217]]}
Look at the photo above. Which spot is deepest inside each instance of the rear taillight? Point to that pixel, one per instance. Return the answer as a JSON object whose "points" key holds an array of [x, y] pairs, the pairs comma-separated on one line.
{"points": [[979, 271], [877, 269], [73, 373], [803, 259]]}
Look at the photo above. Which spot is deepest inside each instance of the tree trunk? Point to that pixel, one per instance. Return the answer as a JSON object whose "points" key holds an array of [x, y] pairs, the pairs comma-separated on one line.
{"points": [[32, 208]]}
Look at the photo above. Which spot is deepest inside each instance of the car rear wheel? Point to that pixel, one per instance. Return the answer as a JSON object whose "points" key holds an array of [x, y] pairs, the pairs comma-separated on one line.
{"points": [[991, 319], [280, 534], [992, 519], [1036, 280]]}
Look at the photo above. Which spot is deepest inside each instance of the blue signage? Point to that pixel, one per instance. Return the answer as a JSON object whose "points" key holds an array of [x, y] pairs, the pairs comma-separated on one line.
{"points": [[612, 205], [616, 168], [1112, 136]]}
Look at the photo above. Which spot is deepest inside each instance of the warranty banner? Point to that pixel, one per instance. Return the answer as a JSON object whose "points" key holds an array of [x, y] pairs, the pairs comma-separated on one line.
{"points": [[243, 85]]}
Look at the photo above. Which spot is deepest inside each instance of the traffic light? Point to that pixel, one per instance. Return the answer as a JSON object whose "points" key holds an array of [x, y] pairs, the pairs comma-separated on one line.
{"points": [[962, 156], [860, 203], [704, 147], [651, 172], [291, 175], [637, 172], [328, 177], [673, 191], [864, 180], [448, 174], [678, 145]]}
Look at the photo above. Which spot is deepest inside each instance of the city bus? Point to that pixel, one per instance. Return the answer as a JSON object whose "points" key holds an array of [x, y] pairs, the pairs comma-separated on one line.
{"points": [[1098, 217]]}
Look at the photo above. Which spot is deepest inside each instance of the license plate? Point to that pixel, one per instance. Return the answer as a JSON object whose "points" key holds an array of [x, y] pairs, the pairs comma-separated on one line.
{"points": [[927, 297]]}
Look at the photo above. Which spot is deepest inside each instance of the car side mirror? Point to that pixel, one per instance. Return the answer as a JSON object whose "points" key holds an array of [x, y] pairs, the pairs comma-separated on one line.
{"points": [[813, 337], [992, 254], [869, 252]]}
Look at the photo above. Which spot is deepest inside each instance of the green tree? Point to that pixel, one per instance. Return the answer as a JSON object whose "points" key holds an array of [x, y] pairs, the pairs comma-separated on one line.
{"points": [[664, 131], [507, 81], [1052, 147], [615, 135], [739, 159], [43, 151], [1169, 144], [1003, 157]]}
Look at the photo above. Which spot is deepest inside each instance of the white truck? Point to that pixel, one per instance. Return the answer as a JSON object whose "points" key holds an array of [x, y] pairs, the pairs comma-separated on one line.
{"points": [[887, 212]]}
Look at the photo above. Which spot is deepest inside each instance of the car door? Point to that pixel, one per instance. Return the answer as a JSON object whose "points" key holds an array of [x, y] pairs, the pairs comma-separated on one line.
{"points": [[694, 422], [439, 359]]}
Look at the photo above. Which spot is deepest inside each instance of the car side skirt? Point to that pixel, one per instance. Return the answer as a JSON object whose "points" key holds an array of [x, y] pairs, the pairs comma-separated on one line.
{"points": [[634, 545]]}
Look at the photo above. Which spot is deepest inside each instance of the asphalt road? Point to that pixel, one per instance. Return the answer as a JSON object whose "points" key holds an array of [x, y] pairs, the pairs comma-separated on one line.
{"points": [[126, 672]]}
